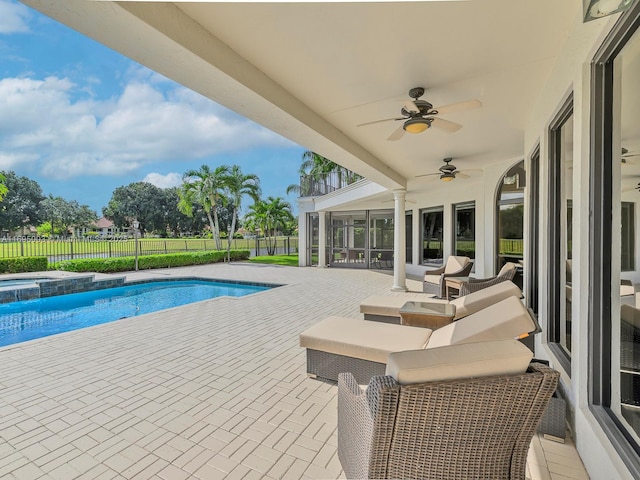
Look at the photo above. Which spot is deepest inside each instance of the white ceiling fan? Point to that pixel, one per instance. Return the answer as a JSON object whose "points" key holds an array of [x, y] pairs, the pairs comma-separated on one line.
{"points": [[419, 115]]}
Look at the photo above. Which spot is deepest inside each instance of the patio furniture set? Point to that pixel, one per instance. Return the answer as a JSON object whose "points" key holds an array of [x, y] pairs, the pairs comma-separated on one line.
{"points": [[451, 391]]}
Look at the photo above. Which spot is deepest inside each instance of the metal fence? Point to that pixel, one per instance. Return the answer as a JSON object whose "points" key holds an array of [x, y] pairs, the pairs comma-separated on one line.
{"points": [[70, 248]]}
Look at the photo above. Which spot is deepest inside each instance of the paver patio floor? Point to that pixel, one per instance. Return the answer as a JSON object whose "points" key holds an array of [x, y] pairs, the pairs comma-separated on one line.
{"points": [[213, 390]]}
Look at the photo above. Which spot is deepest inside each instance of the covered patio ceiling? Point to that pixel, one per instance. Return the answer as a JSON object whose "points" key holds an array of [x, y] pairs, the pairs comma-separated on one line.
{"points": [[314, 71]]}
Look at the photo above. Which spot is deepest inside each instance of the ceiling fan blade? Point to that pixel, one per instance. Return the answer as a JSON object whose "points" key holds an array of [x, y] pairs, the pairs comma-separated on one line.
{"points": [[458, 107], [462, 175], [410, 106], [397, 134], [631, 155], [428, 174], [378, 121], [470, 172], [446, 125]]}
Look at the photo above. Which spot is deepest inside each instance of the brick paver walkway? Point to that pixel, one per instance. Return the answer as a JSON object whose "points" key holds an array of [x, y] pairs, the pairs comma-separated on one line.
{"points": [[213, 390]]}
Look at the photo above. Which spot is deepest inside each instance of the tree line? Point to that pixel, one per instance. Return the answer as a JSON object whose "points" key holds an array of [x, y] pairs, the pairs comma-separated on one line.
{"points": [[208, 202]]}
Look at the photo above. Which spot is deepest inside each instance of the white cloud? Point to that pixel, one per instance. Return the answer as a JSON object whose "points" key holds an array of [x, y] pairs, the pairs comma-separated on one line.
{"points": [[169, 180], [13, 17], [143, 125]]}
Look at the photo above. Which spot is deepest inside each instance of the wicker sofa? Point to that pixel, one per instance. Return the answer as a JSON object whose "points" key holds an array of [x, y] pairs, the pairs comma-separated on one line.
{"points": [[455, 267], [477, 426], [338, 344]]}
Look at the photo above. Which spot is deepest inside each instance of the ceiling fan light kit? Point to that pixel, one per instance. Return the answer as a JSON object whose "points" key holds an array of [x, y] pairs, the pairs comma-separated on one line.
{"points": [[417, 125], [447, 177]]}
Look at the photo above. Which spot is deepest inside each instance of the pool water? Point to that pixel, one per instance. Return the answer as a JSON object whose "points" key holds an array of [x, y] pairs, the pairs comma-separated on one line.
{"points": [[30, 319], [12, 283]]}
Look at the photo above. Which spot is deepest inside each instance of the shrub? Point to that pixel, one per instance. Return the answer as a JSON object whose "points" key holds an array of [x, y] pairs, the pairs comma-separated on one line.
{"points": [[146, 262], [23, 264]]}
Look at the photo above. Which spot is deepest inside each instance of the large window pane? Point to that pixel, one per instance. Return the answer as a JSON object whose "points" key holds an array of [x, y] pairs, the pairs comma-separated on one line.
{"points": [[408, 222], [626, 308], [511, 219], [560, 231], [313, 241], [432, 236], [465, 230]]}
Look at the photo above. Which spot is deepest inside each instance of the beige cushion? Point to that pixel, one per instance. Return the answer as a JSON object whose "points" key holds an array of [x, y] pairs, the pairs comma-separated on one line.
{"points": [[455, 264], [630, 315], [389, 305], [372, 341], [627, 290], [432, 279], [482, 359], [507, 267], [506, 319], [476, 301]]}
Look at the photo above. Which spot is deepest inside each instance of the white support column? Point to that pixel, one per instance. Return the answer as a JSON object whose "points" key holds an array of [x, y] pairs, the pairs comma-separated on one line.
{"points": [[399, 242], [322, 239]]}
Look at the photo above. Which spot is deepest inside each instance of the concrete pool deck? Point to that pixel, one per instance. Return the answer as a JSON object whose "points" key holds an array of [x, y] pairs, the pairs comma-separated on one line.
{"points": [[213, 390]]}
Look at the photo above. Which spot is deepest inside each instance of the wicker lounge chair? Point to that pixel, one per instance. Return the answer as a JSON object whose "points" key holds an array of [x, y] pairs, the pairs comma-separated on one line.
{"points": [[455, 267], [507, 272], [445, 429], [337, 344], [386, 308]]}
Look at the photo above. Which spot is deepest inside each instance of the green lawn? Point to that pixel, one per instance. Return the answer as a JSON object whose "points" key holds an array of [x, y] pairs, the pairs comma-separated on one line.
{"points": [[287, 260]]}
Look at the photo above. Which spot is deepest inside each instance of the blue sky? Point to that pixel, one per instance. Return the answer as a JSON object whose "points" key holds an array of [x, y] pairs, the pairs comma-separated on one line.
{"points": [[82, 120]]}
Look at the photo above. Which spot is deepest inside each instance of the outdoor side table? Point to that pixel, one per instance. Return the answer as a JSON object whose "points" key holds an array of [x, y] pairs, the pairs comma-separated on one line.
{"points": [[454, 282], [427, 315]]}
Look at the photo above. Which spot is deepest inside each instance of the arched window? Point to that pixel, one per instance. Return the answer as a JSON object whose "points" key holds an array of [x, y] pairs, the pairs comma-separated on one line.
{"points": [[510, 214]]}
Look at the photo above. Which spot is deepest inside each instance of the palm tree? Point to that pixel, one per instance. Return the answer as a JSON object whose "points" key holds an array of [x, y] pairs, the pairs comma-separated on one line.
{"points": [[268, 216], [237, 185], [316, 168], [204, 187]]}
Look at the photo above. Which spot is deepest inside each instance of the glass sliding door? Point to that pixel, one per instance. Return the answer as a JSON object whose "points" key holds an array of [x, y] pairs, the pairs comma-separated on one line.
{"points": [[432, 236], [348, 239], [313, 239], [381, 239], [464, 215]]}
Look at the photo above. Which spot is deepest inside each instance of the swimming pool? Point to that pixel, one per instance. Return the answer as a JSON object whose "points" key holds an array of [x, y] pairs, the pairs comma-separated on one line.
{"points": [[30, 319]]}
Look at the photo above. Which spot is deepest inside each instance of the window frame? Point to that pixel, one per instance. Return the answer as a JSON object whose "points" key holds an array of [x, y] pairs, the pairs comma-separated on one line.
{"points": [[600, 235], [554, 241]]}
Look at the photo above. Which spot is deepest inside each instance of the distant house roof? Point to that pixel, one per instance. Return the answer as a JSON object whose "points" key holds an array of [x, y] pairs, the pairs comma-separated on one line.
{"points": [[103, 223]]}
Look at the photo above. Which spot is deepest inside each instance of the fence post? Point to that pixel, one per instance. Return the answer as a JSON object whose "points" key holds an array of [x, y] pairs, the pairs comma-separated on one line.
{"points": [[165, 247], [21, 247], [71, 248], [288, 246], [186, 247], [257, 245]]}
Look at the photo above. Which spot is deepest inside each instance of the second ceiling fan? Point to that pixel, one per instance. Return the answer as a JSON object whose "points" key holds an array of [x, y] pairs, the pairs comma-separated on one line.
{"points": [[419, 115], [448, 172]]}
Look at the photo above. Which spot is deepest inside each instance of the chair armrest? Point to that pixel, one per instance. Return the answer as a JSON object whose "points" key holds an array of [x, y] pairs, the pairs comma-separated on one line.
{"points": [[365, 421], [437, 271]]}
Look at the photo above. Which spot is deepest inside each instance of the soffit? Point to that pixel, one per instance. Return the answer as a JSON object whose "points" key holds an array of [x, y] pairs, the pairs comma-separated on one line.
{"points": [[313, 71]]}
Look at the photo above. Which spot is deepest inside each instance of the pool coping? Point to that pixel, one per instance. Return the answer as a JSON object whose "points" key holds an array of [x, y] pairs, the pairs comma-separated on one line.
{"points": [[51, 286]]}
